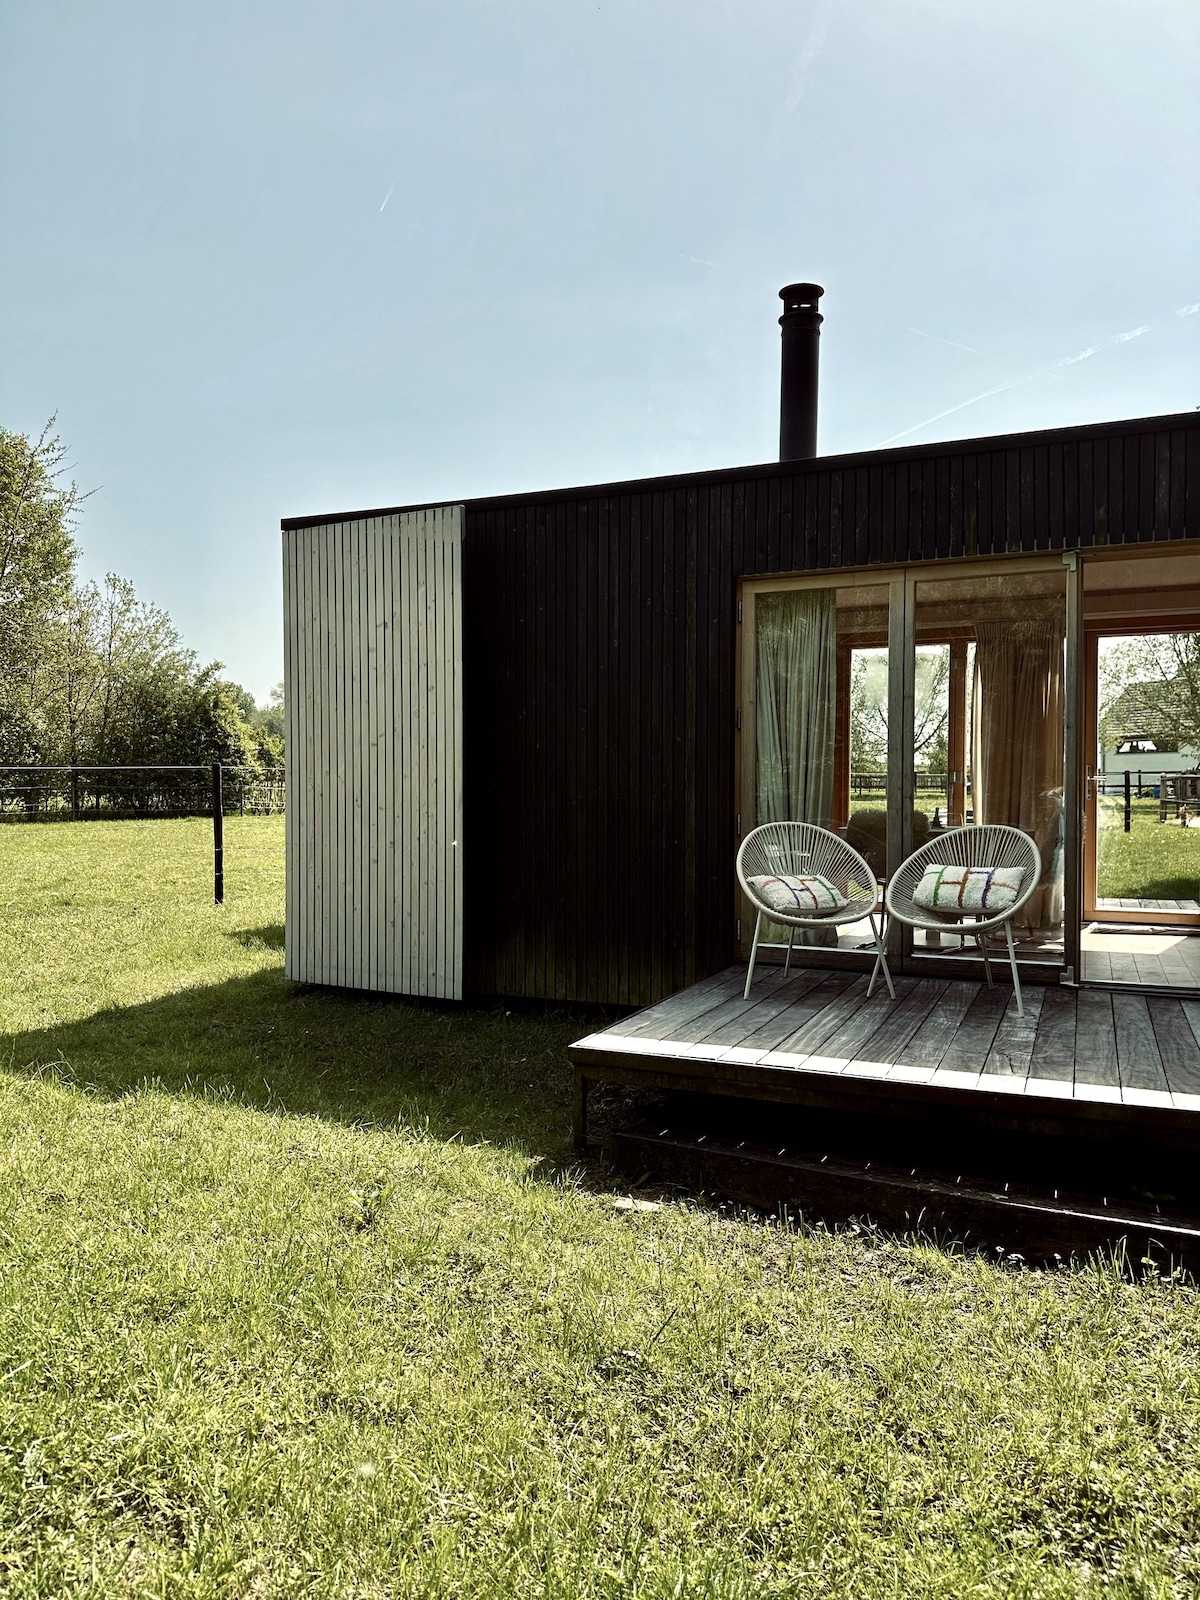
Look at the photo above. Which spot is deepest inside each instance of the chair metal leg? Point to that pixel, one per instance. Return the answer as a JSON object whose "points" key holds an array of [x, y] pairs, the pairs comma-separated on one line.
{"points": [[753, 954], [1012, 961], [787, 965], [987, 965], [880, 960]]}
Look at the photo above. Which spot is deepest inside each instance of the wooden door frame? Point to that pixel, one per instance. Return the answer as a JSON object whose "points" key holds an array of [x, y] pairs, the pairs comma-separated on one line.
{"points": [[1093, 631]]}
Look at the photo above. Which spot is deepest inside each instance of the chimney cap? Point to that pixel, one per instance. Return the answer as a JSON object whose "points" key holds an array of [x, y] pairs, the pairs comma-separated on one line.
{"points": [[800, 297]]}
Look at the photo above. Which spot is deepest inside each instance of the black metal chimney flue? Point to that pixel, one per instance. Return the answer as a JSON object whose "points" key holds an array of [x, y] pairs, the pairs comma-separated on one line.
{"points": [[801, 324]]}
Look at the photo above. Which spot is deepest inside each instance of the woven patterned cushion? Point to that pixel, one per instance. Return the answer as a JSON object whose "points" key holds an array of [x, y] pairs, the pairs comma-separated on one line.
{"points": [[956, 889], [799, 897]]}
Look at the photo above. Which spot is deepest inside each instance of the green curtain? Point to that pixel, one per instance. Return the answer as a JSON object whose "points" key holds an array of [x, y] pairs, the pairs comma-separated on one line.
{"points": [[797, 665], [1017, 744]]}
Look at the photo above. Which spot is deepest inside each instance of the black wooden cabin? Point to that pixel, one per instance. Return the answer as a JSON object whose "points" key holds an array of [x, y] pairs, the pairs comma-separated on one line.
{"points": [[599, 662]]}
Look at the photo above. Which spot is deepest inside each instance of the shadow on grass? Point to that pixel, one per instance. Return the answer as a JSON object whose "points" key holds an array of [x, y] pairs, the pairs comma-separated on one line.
{"points": [[474, 1072], [268, 938], [1163, 889]]}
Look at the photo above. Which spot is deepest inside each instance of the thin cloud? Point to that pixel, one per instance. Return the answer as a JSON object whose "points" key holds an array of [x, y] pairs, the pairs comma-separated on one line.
{"points": [[801, 69], [1071, 361], [1188, 311], [953, 343], [1134, 333], [389, 194]]}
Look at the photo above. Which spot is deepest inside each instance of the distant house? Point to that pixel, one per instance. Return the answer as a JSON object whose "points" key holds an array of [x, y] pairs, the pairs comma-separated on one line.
{"points": [[1139, 732]]}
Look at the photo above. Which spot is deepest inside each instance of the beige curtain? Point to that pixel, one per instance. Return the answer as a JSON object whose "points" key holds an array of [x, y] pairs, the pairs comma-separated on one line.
{"points": [[797, 663], [1017, 744]]}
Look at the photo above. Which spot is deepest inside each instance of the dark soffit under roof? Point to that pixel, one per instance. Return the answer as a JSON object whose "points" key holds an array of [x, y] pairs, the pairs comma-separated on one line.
{"points": [[775, 469]]}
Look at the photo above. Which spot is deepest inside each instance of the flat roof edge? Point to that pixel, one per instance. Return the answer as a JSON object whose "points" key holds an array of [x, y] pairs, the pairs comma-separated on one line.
{"points": [[767, 469]]}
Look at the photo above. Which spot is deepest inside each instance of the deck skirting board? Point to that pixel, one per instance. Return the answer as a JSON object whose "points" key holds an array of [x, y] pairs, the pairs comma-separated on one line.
{"points": [[953, 1051], [978, 1213]]}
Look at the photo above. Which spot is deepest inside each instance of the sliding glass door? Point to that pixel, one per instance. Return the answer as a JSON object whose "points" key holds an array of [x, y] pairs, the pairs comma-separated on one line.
{"points": [[989, 692], [1055, 694], [894, 709]]}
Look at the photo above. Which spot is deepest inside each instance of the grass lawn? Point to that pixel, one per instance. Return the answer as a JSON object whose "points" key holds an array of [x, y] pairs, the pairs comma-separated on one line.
{"points": [[302, 1294], [1153, 861]]}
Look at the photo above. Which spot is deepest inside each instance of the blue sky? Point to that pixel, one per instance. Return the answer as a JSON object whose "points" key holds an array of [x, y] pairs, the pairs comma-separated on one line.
{"points": [[268, 258]]}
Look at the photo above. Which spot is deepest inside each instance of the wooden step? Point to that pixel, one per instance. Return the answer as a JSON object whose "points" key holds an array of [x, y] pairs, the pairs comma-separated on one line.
{"points": [[980, 1213]]}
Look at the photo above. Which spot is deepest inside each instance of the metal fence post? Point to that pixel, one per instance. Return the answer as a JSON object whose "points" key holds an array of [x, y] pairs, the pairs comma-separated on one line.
{"points": [[218, 816], [1127, 807]]}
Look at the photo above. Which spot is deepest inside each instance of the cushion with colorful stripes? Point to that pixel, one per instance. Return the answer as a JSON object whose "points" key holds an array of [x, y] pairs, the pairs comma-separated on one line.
{"points": [[955, 889], [799, 897]]}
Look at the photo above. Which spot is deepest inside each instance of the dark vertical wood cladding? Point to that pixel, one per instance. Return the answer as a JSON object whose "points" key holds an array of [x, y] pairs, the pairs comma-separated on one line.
{"points": [[599, 662]]}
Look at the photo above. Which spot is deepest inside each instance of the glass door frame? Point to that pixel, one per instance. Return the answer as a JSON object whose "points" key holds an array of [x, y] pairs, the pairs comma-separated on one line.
{"points": [[1094, 631], [901, 581]]}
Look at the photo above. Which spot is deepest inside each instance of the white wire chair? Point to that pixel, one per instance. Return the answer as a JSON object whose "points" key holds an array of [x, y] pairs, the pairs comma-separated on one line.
{"points": [[801, 849], [981, 845]]}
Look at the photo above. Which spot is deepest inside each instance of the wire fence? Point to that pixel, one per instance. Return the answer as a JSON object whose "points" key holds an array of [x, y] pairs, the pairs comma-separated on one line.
{"points": [[123, 793]]}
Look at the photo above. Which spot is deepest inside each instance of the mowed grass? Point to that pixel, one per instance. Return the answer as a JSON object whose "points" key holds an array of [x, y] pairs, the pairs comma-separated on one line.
{"points": [[303, 1294], [1153, 861]]}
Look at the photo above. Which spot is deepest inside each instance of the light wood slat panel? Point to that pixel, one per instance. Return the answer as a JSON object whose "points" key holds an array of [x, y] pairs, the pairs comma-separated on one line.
{"points": [[374, 706], [295, 673]]}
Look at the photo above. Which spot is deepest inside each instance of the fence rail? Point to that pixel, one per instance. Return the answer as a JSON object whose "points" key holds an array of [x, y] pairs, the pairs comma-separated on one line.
{"points": [[876, 782], [120, 793]]}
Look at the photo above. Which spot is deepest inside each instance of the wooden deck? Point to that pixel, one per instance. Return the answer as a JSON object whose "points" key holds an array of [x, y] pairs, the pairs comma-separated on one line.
{"points": [[1088, 1061]]}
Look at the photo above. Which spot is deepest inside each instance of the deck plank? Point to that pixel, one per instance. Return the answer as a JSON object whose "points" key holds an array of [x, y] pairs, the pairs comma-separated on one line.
{"points": [[1137, 1048], [733, 1022], [848, 1041], [1124, 967], [933, 1038], [784, 1024], [693, 1029], [903, 1020], [1095, 1039], [661, 1017], [975, 1033], [816, 1029], [1054, 1046], [1176, 1044], [1097, 966], [1012, 1048]]}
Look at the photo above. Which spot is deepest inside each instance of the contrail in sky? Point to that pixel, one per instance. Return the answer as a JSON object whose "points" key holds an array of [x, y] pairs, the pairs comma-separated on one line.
{"points": [[1047, 370], [953, 343], [389, 194], [950, 410]]}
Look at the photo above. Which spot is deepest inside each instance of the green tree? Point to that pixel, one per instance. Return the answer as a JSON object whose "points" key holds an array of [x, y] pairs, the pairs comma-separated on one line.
{"points": [[869, 708], [89, 674], [37, 565]]}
